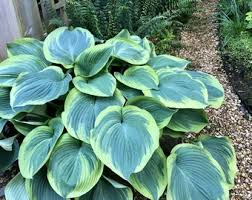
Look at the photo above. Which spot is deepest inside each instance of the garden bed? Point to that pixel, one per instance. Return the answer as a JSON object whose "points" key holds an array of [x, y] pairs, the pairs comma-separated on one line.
{"points": [[241, 78]]}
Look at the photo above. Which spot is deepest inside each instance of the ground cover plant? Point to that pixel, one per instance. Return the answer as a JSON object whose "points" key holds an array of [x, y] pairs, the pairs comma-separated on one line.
{"points": [[236, 45], [103, 120], [107, 18]]}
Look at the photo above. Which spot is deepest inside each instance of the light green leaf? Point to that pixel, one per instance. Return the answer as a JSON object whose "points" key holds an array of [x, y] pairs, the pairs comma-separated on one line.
{"points": [[15, 190], [27, 46], [13, 66], [129, 51], [188, 120], [81, 111], [63, 46], [8, 157], [39, 188], [159, 112], [130, 133], [79, 169], [6, 112], [139, 77], [128, 92], [93, 60], [37, 146], [123, 34], [7, 143], [108, 189], [167, 62], [179, 90], [214, 88], [152, 180], [194, 174], [223, 152], [102, 85], [40, 87]]}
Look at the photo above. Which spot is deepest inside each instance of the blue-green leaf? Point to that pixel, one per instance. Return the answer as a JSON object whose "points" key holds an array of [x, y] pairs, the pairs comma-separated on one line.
{"points": [[13, 66], [194, 174], [7, 143], [152, 180], [129, 51], [188, 120], [214, 88], [40, 87], [6, 112], [73, 168], [130, 133], [2, 124], [63, 46], [39, 188], [15, 190], [81, 111], [160, 113], [139, 77], [8, 157], [107, 189], [167, 62], [223, 152], [37, 146], [179, 90], [102, 85], [27, 46], [128, 92], [93, 60]]}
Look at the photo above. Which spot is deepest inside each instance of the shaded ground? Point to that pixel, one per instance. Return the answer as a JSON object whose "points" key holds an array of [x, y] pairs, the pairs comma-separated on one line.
{"points": [[200, 45]]}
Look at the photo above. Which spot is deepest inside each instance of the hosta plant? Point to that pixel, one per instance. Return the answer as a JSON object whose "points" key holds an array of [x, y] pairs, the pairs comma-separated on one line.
{"points": [[103, 121]]}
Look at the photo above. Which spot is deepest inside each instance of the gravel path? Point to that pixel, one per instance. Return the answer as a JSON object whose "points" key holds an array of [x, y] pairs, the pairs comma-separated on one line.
{"points": [[200, 45]]}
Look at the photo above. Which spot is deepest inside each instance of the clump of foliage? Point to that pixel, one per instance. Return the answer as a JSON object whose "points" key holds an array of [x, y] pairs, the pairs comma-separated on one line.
{"points": [[92, 117], [249, 20], [107, 17]]}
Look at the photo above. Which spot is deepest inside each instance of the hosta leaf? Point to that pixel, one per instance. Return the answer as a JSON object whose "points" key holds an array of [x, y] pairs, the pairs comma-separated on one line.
{"points": [[7, 143], [123, 34], [12, 67], [194, 174], [102, 85], [129, 51], [15, 190], [188, 120], [2, 124], [73, 167], [8, 157], [81, 111], [6, 111], [63, 46], [37, 146], [223, 152], [125, 138], [107, 189], [179, 90], [152, 180], [26, 46], [128, 92], [167, 61], [39, 188], [40, 87], [93, 60], [160, 113], [139, 77], [214, 88]]}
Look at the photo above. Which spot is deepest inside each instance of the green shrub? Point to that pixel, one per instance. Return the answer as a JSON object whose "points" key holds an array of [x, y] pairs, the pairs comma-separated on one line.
{"points": [[107, 17], [92, 116]]}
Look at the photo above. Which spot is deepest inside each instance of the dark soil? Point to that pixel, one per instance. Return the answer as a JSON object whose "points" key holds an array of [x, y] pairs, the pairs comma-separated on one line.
{"points": [[240, 77]]}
